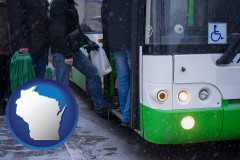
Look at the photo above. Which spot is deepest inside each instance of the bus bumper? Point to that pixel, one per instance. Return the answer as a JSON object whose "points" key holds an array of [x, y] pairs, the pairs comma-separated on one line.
{"points": [[164, 126]]}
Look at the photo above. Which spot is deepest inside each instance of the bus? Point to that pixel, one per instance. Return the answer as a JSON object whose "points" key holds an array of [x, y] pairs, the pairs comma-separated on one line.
{"points": [[185, 81]]}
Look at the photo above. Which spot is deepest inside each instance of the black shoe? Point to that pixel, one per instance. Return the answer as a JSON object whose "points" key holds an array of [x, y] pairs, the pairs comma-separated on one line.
{"points": [[105, 108], [109, 106], [102, 112], [125, 124]]}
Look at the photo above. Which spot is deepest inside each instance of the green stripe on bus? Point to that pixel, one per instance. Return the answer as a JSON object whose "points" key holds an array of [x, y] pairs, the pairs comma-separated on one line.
{"points": [[211, 124], [164, 126], [231, 126], [190, 13]]}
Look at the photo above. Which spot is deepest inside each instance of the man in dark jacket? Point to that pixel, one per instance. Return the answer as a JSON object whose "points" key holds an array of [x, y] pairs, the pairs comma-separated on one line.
{"points": [[116, 20], [4, 57], [64, 21], [29, 30]]}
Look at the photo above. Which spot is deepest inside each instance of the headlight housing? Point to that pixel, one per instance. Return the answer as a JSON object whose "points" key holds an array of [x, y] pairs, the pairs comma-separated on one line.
{"points": [[184, 96], [203, 94], [162, 96]]}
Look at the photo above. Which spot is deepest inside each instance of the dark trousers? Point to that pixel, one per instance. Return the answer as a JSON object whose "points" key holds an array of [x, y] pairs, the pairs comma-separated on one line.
{"points": [[86, 67], [5, 90]]}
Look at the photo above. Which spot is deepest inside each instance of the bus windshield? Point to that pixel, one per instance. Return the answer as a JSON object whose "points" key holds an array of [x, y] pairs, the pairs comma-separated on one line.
{"points": [[89, 12], [186, 21]]}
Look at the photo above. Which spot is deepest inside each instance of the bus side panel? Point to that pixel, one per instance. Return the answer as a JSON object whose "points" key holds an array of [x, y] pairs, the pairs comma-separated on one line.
{"points": [[141, 121], [231, 123], [164, 127], [78, 78]]}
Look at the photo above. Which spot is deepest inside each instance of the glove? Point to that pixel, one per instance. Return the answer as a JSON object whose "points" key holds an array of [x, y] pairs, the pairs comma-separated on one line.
{"points": [[91, 46]]}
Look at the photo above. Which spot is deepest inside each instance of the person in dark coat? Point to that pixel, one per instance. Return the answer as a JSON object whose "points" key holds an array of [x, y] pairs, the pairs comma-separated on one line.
{"points": [[64, 21], [4, 57], [116, 20], [29, 24]]}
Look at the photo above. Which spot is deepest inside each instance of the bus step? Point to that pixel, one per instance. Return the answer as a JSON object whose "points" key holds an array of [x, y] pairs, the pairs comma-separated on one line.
{"points": [[115, 112]]}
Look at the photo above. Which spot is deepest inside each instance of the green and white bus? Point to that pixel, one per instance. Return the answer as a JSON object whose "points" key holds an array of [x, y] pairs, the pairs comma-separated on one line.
{"points": [[185, 81]]}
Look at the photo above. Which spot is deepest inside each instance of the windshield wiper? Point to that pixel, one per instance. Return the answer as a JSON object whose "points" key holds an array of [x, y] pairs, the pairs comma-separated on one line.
{"points": [[230, 53], [232, 50]]}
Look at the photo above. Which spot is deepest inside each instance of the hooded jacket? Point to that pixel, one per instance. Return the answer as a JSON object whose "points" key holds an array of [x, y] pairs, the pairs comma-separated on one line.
{"points": [[63, 21], [28, 25], [116, 20]]}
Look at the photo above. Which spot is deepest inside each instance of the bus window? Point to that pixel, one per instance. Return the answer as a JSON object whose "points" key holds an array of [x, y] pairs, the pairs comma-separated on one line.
{"points": [[89, 12], [227, 11], [174, 22], [191, 13]]}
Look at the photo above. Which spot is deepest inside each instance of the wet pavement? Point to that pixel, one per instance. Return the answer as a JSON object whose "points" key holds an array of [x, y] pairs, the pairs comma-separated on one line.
{"points": [[99, 139]]}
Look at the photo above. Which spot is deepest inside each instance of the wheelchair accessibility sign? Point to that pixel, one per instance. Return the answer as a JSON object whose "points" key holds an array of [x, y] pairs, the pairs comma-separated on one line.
{"points": [[217, 33]]}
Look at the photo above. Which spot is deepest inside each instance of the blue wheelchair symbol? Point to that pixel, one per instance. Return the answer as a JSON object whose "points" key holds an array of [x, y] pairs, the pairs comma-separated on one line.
{"points": [[216, 35]]}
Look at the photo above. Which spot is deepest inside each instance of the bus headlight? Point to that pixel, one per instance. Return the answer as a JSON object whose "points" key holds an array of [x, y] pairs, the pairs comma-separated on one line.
{"points": [[188, 122], [203, 94], [162, 96], [184, 96]]}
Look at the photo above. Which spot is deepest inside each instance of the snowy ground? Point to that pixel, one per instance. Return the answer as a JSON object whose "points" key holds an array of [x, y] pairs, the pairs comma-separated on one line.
{"points": [[99, 139]]}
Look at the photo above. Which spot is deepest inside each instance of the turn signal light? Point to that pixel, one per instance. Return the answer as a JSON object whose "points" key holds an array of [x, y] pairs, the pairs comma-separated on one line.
{"points": [[162, 96]]}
